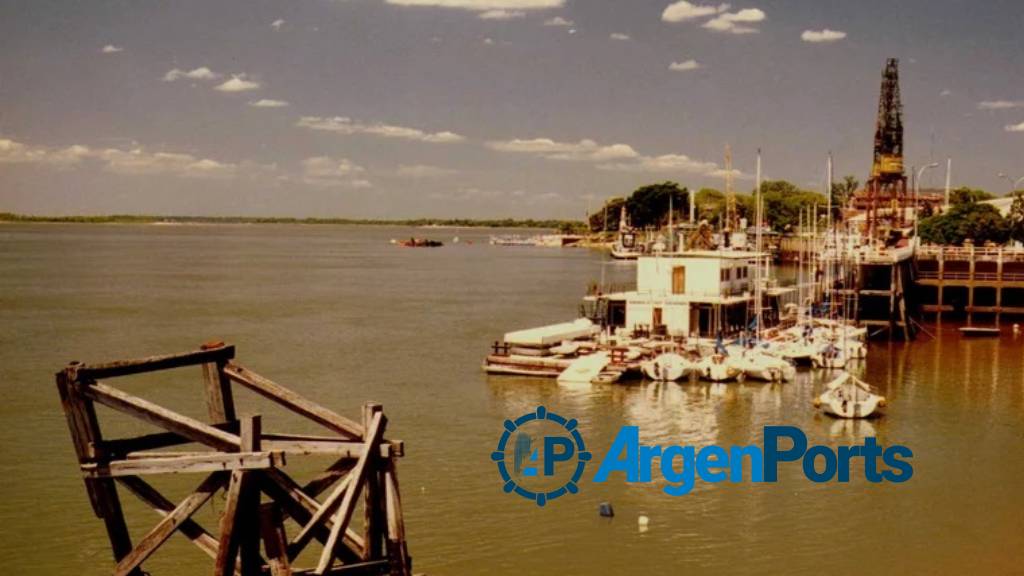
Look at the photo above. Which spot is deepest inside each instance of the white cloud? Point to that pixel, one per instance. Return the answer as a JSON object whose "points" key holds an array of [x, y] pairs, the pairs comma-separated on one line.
{"points": [[690, 64], [619, 36], [269, 103], [558, 21], [327, 171], [501, 14], [826, 35], [276, 24], [1000, 104], [138, 161], [736, 22], [134, 161], [345, 125], [111, 49], [1014, 127], [682, 11], [584, 150], [13, 152], [238, 83], [483, 5], [423, 171], [664, 163], [201, 73]]}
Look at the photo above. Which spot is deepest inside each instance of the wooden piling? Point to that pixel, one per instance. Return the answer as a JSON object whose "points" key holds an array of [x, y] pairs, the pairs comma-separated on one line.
{"points": [[237, 455]]}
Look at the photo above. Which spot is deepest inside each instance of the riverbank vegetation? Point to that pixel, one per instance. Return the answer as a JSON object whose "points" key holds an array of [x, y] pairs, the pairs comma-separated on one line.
{"points": [[561, 225], [969, 219]]}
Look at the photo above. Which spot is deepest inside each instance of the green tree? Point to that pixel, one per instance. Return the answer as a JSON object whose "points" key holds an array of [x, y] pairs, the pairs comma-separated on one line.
{"points": [[842, 192], [1015, 219], [784, 202], [966, 220], [710, 205], [648, 205], [966, 195], [607, 217]]}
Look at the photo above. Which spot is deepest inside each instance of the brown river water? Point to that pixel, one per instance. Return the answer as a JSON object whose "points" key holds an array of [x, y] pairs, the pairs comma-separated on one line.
{"points": [[342, 316]]}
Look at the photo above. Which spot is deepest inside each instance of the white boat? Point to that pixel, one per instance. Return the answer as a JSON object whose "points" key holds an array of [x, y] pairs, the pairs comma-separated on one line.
{"points": [[717, 368], [829, 356], [667, 367], [848, 397], [756, 364], [585, 369]]}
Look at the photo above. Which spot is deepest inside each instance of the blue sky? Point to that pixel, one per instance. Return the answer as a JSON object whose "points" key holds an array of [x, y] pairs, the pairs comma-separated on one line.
{"points": [[482, 108]]}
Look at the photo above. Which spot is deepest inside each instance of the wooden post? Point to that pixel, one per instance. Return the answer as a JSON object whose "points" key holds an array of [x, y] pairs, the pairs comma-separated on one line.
{"points": [[85, 432], [236, 529], [219, 402], [275, 542], [371, 496]]}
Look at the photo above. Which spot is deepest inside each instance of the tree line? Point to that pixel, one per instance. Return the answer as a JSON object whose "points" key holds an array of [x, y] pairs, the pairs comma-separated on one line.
{"points": [[967, 219]]}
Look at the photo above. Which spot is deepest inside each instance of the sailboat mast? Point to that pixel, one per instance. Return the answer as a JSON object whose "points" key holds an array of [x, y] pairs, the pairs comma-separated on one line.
{"points": [[758, 284]]}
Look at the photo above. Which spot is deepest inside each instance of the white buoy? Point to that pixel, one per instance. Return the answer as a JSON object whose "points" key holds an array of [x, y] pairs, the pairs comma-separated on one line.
{"points": [[1016, 329], [641, 522]]}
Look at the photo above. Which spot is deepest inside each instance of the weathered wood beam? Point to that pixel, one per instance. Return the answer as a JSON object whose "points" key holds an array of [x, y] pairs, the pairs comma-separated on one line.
{"points": [[118, 447], [154, 363], [359, 568], [162, 506], [372, 520], [237, 529], [301, 507], [342, 449], [327, 478], [219, 402], [344, 513], [293, 401], [275, 542], [167, 526], [85, 431], [185, 464], [398, 553], [160, 416], [249, 533]]}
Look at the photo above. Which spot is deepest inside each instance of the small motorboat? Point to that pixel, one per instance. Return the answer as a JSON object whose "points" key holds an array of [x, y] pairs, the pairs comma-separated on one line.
{"points": [[420, 243], [848, 397], [667, 367]]}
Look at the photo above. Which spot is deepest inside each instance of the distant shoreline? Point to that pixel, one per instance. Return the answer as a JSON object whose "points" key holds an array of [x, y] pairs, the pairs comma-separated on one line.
{"points": [[7, 217]]}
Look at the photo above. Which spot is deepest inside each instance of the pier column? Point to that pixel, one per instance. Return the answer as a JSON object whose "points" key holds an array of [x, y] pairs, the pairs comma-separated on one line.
{"points": [[999, 285], [970, 286], [941, 278]]}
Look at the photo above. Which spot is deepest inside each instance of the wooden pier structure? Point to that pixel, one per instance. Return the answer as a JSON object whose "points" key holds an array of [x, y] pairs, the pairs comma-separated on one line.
{"points": [[235, 454], [971, 281]]}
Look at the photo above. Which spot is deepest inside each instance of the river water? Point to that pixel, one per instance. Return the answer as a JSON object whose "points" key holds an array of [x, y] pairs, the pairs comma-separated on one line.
{"points": [[342, 316]]}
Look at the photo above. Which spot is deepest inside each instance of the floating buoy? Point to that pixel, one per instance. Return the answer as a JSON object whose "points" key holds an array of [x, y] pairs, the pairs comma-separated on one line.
{"points": [[1016, 329], [605, 509], [642, 521]]}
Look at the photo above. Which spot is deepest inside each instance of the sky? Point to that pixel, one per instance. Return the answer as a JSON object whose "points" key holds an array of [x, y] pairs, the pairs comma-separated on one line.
{"points": [[483, 108]]}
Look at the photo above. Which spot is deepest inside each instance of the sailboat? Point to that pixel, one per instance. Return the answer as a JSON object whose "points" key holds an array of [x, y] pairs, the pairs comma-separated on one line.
{"points": [[849, 397], [667, 367]]}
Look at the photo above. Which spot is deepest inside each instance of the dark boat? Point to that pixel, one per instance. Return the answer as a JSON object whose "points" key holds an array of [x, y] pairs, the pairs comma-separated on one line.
{"points": [[420, 243]]}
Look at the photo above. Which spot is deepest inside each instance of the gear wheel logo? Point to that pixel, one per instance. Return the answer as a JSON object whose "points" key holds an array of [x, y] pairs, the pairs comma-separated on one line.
{"points": [[541, 456]]}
